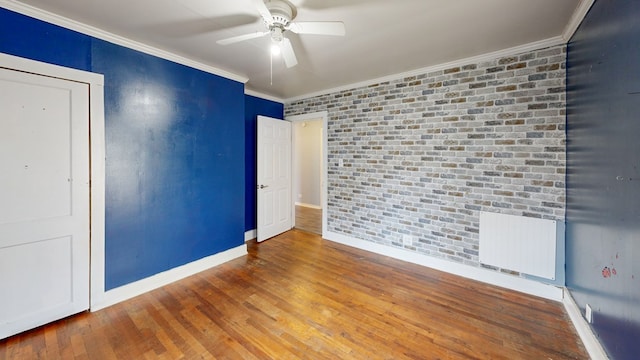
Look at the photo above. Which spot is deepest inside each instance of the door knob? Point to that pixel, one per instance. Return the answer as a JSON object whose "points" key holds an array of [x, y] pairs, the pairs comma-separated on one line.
{"points": [[262, 186]]}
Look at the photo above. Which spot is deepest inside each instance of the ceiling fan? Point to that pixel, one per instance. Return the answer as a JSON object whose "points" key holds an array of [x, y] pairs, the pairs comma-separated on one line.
{"points": [[278, 17]]}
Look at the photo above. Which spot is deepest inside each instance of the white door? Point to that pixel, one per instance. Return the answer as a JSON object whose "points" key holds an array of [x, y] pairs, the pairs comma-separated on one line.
{"points": [[274, 177], [44, 200]]}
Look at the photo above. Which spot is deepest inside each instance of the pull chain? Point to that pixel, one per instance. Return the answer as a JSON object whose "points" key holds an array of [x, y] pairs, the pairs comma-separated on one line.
{"points": [[271, 66]]}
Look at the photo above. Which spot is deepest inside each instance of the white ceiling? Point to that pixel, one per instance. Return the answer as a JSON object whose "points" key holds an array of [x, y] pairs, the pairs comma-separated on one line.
{"points": [[383, 37]]}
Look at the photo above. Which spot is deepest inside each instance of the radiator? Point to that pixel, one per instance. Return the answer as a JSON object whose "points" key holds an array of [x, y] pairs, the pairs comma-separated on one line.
{"points": [[522, 244]]}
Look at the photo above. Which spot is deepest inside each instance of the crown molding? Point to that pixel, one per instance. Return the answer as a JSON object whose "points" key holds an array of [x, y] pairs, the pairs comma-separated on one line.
{"points": [[262, 95], [576, 19], [52, 18], [470, 60]]}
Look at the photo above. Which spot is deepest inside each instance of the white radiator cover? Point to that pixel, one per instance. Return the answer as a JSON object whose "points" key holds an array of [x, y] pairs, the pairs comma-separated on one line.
{"points": [[523, 244]]}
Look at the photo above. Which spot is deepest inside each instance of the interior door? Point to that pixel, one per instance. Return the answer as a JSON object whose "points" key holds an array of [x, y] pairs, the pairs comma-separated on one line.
{"points": [[44, 200], [274, 177]]}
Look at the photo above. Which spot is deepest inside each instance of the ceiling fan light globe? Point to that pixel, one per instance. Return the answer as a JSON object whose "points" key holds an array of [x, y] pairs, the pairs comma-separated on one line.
{"points": [[275, 49]]}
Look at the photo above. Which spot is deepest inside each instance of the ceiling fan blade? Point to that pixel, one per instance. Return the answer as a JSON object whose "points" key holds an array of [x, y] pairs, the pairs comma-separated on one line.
{"points": [[235, 39], [264, 11], [335, 28], [288, 54]]}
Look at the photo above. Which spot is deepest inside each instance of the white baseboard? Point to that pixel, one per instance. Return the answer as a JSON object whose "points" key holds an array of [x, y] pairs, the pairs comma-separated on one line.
{"points": [[250, 235], [139, 287], [589, 339], [311, 206], [487, 276]]}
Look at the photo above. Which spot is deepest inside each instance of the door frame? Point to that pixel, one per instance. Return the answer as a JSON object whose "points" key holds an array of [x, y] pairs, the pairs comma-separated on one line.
{"points": [[96, 159], [324, 116]]}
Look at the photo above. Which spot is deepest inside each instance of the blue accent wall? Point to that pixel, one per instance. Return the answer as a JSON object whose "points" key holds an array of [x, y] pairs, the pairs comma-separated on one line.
{"points": [[175, 149], [603, 172], [255, 106], [37, 40]]}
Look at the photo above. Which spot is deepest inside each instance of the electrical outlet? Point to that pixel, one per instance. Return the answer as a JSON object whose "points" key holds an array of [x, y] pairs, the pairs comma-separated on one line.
{"points": [[588, 313], [407, 240]]}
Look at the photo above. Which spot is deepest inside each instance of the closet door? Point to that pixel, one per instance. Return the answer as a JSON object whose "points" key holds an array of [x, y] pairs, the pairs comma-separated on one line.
{"points": [[44, 200]]}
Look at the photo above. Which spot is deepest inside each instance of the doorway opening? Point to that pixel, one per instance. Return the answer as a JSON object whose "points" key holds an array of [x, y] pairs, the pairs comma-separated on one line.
{"points": [[309, 171]]}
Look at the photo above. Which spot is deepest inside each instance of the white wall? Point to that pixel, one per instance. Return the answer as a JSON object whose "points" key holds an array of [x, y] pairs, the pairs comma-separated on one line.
{"points": [[307, 158]]}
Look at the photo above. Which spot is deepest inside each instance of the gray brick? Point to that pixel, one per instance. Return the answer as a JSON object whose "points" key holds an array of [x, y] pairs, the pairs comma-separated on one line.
{"points": [[424, 154]]}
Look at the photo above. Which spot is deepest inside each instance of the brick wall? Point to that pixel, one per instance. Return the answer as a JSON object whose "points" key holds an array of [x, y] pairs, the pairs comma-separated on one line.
{"points": [[423, 155]]}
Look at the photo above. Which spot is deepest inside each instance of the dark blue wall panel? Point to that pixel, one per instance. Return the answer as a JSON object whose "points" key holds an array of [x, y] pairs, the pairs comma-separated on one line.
{"points": [[603, 172], [253, 107], [174, 145]]}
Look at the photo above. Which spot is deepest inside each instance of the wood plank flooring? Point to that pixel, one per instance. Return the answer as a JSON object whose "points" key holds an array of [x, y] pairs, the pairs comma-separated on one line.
{"points": [[297, 296], [309, 219]]}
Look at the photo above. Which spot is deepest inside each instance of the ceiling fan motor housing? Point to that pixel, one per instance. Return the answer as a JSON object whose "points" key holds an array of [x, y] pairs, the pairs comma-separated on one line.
{"points": [[281, 11]]}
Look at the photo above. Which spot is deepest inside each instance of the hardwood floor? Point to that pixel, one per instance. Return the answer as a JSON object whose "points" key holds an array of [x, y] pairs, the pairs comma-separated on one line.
{"points": [[297, 296], [309, 219]]}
